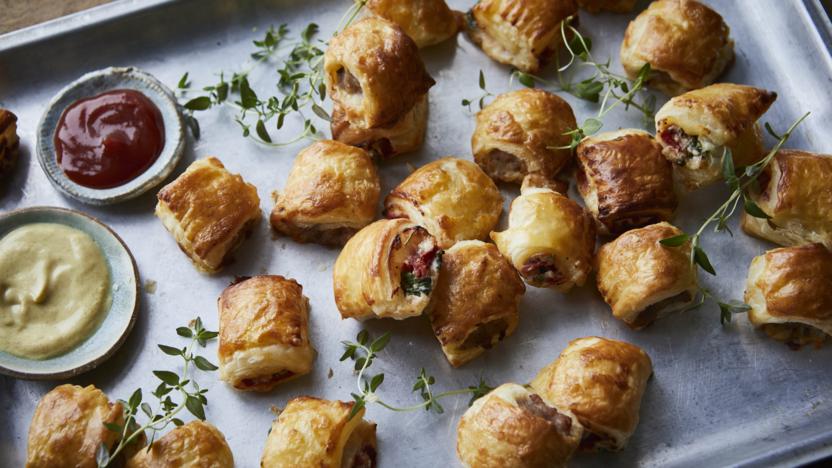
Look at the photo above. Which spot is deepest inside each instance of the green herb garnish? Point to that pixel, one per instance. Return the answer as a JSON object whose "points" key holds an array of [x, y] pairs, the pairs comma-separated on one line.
{"points": [[414, 286]]}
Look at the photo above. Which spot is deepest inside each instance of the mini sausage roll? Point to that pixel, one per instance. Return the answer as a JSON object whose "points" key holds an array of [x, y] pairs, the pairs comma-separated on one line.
{"points": [[427, 22], [195, 444], [475, 302], [697, 127], [388, 269], [523, 132], [789, 293], [643, 280], [264, 333], [796, 191], [550, 239], [9, 141], [332, 192], [615, 6], [625, 181], [209, 211], [403, 136], [452, 198], [520, 33], [686, 43], [320, 433], [512, 427], [601, 381]]}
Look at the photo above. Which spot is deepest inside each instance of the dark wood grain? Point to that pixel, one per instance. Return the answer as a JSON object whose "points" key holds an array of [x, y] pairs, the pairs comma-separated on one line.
{"points": [[17, 14]]}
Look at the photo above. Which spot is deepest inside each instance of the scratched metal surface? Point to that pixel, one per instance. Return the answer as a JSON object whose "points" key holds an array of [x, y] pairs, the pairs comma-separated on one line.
{"points": [[720, 396]]}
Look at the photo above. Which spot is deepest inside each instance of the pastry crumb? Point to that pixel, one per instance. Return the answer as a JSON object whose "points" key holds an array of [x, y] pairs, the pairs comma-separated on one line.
{"points": [[150, 286], [330, 373]]}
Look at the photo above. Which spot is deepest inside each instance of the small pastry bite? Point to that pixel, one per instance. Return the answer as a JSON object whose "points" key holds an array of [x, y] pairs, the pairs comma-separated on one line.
{"points": [[452, 198], [195, 444], [320, 433], [624, 180], [643, 280], [601, 381], [475, 301], [264, 333], [795, 190], [388, 269], [9, 141], [427, 22], [550, 239], [209, 211], [523, 34], [332, 191], [406, 135], [789, 293], [512, 427], [615, 6], [523, 132], [686, 43], [696, 128]]}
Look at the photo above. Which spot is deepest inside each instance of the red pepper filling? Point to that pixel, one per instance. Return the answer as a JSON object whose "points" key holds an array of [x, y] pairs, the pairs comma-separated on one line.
{"points": [[419, 263]]}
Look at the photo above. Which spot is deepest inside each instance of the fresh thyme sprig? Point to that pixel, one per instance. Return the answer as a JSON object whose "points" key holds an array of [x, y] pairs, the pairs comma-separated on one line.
{"points": [[486, 94], [192, 396]]}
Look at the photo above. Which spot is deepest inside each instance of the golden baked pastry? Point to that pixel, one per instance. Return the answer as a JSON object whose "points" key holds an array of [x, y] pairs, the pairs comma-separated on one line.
{"points": [[313, 432], [796, 191], [512, 427], [601, 381], [403, 136], [520, 133], [388, 269], [643, 280], [332, 191], [789, 293], [520, 33], [193, 445], [686, 43], [209, 212], [475, 301], [697, 127], [550, 239], [427, 22], [264, 333], [452, 198], [615, 6], [9, 141]]}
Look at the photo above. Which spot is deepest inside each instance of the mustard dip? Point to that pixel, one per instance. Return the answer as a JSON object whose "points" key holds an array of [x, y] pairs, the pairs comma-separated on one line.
{"points": [[54, 290]]}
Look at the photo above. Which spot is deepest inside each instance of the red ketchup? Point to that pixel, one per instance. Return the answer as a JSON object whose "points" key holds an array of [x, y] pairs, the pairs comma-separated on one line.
{"points": [[110, 139]]}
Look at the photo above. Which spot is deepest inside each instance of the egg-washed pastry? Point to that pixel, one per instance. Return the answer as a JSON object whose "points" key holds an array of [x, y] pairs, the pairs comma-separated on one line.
{"points": [[9, 141], [405, 135], [625, 180], [686, 43], [209, 211], [512, 427], [523, 132], [332, 191], [643, 280], [796, 191], [313, 432], [790, 296], [520, 33], [550, 239], [601, 381], [388, 269], [475, 302], [696, 128], [264, 333], [452, 198], [615, 6], [427, 22], [195, 444]]}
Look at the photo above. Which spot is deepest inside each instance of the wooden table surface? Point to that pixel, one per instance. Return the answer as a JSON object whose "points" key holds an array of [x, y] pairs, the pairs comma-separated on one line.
{"points": [[16, 14]]}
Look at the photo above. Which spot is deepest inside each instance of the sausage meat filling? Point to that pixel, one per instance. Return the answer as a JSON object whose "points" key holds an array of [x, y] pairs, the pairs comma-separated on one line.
{"points": [[535, 405], [540, 271], [795, 335]]}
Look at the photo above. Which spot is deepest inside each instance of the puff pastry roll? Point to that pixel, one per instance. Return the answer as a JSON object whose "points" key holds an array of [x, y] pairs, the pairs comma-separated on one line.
{"points": [[789, 294], [209, 211], [427, 22], [452, 198], [796, 191], [615, 6], [320, 433], [512, 427], [196, 444], [697, 127], [264, 333], [601, 381], [9, 141], [476, 300], [641, 279], [624, 180], [520, 33], [403, 136], [520, 133], [550, 239], [332, 191], [388, 269]]}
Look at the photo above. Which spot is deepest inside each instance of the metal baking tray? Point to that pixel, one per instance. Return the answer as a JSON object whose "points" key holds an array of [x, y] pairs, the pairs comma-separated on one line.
{"points": [[719, 396]]}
